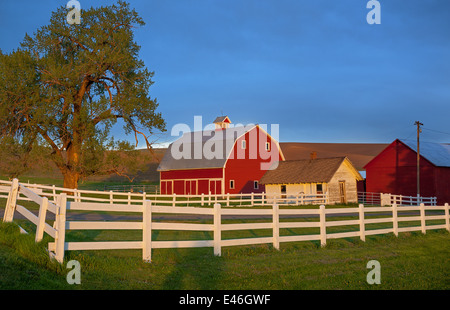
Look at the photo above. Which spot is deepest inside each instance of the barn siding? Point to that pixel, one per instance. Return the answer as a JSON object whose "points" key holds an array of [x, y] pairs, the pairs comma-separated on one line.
{"points": [[192, 181], [443, 185], [394, 171], [244, 165]]}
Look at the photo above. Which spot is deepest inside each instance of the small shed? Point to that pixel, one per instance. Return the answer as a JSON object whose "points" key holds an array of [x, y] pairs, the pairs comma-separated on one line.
{"points": [[336, 176]]}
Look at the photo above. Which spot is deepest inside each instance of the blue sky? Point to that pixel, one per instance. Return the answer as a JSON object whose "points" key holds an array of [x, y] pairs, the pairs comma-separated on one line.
{"points": [[316, 68]]}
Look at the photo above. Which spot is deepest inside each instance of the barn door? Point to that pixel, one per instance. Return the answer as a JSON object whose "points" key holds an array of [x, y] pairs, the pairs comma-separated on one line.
{"points": [[212, 187], [342, 192], [215, 187], [169, 188]]}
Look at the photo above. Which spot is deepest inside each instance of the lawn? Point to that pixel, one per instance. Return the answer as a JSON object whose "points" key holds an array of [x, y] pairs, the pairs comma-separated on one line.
{"points": [[410, 261]]}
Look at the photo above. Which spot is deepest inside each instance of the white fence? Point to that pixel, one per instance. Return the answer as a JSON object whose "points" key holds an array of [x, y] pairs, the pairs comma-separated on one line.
{"points": [[280, 219], [389, 199], [384, 199], [250, 199]]}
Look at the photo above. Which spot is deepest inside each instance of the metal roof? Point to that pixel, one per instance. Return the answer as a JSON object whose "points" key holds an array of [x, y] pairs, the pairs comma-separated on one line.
{"points": [[188, 151], [437, 153]]}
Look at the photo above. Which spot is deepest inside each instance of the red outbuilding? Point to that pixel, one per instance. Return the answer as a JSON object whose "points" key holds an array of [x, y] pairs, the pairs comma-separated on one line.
{"points": [[220, 161], [394, 170]]}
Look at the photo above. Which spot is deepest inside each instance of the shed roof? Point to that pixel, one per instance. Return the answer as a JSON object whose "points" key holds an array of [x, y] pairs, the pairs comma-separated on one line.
{"points": [[437, 153], [319, 170]]}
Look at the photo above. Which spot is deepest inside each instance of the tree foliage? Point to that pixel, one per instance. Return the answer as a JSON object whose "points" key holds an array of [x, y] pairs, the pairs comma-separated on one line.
{"points": [[69, 84]]}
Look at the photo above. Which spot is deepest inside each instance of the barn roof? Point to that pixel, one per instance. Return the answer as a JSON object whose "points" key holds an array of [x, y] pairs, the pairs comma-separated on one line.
{"points": [[195, 141], [437, 153], [221, 119], [319, 170]]}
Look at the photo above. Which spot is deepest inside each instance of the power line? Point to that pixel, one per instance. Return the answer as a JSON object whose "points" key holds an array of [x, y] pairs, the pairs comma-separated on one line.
{"points": [[445, 133]]}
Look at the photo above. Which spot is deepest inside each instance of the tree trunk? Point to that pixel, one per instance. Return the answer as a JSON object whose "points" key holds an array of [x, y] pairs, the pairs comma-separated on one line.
{"points": [[71, 179], [71, 172]]}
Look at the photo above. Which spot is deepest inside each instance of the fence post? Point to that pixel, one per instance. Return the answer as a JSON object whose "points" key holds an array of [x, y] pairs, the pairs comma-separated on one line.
{"points": [[217, 230], [252, 198], [61, 228], [147, 231], [395, 219], [276, 226], [174, 199], [362, 226], [323, 227], [447, 219], [422, 217], [111, 197], [54, 192], [41, 220], [203, 199], [11, 202], [228, 199]]}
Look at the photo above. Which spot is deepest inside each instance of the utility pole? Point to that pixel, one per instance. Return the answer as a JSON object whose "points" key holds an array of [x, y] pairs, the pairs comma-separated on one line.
{"points": [[418, 124]]}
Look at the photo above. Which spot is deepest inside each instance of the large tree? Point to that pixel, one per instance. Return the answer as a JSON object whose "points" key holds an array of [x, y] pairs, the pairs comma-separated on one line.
{"points": [[69, 84]]}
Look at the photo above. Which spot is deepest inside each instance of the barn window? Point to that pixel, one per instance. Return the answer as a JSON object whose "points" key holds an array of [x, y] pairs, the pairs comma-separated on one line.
{"points": [[267, 146], [244, 144], [255, 185], [231, 184]]}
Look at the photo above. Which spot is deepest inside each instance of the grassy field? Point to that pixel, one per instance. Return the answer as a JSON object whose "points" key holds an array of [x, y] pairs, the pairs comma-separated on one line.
{"points": [[411, 261]]}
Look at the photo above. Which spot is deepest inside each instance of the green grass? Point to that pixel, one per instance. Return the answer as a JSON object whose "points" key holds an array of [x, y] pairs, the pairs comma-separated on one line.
{"points": [[410, 261]]}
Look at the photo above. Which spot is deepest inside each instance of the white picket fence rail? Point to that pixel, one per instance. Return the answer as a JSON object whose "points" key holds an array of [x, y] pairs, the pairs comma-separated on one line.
{"points": [[410, 200], [241, 199], [393, 214], [385, 199]]}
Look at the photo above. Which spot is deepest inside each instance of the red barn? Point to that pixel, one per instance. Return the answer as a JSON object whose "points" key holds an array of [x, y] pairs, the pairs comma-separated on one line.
{"points": [[394, 170], [220, 161]]}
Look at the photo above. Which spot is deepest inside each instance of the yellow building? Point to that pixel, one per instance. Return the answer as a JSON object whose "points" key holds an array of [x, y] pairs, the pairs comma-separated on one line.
{"points": [[336, 177]]}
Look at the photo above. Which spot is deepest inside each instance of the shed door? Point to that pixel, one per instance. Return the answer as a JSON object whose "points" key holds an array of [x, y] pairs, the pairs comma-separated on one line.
{"points": [[342, 192]]}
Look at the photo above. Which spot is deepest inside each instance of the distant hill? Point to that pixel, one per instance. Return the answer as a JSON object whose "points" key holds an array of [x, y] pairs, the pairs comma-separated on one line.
{"points": [[358, 153]]}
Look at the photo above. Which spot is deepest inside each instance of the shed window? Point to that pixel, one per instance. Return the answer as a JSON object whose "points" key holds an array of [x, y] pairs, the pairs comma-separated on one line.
{"points": [[319, 188], [255, 185], [231, 184]]}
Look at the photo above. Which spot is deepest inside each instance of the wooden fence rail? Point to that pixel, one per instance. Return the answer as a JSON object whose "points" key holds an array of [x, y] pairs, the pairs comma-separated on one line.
{"points": [[383, 199], [281, 218], [241, 199]]}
